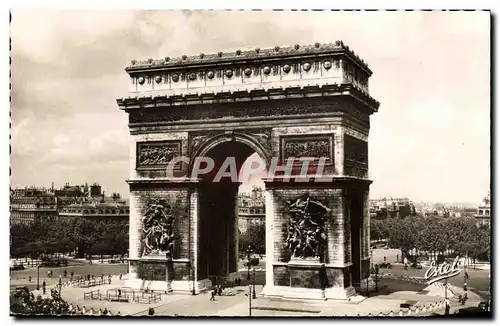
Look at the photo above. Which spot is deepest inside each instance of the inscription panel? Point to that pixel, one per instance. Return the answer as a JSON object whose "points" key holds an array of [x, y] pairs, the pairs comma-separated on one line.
{"points": [[157, 154], [311, 146]]}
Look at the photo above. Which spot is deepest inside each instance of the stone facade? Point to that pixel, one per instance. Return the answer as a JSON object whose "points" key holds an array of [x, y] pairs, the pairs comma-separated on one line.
{"points": [[304, 102]]}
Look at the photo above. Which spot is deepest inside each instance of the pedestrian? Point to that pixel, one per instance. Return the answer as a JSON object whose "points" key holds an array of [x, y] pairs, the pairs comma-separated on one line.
{"points": [[102, 277], [44, 285], [29, 279], [99, 313], [109, 313], [120, 276], [84, 310], [65, 273], [465, 286], [385, 258], [447, 307], [109, 278], [72, 274], [212, 295], [151, 311], [118, 313], [105, 312], [91, 311]]}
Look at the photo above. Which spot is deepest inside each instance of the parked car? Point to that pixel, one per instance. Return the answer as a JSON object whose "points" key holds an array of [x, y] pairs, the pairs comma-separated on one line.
{"points": [[54, 263], [416, 265], [385, 265], [19, 267]]}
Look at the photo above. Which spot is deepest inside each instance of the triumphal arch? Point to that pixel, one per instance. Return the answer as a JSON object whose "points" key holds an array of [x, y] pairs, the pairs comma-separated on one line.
{"points": [[307, 102]]}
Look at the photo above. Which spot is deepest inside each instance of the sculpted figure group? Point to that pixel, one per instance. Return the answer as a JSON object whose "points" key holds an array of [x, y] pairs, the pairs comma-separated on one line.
{"points": [[306, 232], [157, 228]]}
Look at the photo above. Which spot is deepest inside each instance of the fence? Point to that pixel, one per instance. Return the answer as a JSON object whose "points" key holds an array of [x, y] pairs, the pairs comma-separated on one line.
{"points": [[124, 295], [413, 311]]}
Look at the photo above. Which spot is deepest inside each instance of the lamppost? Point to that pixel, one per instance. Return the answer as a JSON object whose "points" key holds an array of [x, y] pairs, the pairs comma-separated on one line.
{"points": [[446, 296], [253, 285], [193, 278], [372, 257], [250, 300], [376, 277], [38, 276], [367, 284], [249, 252]]}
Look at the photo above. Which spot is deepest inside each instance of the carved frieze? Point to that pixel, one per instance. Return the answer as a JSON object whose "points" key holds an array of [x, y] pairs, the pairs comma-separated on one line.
{"points": [[158, 228], [306, 236], [310, 146], [157, 153], [356, 134]]}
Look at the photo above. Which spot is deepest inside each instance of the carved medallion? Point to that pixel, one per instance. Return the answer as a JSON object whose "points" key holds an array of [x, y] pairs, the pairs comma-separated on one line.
{"points": [[248, 72], [229, 73], [267, 70], [286, 68], [158, 228], [158, 79], [157, 153], [141, 80], [210, 74], [306, 66], [192, 76], [327, 65], [306, 235], [175, 77]]}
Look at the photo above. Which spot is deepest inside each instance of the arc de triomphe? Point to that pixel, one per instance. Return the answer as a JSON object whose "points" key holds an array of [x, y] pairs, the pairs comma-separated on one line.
{"points": [[300, 101]]}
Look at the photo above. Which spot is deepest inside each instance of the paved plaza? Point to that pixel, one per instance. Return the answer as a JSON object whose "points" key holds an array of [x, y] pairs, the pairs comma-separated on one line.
{"points": [[391, 295]]}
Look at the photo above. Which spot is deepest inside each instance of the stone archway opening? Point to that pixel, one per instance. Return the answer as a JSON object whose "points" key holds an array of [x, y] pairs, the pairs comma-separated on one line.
{"points": [[218, 255]]}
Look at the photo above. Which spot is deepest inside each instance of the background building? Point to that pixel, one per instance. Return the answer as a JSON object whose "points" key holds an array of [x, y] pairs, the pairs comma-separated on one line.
{"points": [[483, 215], [391, 207], [251, 209], [31, 204]]}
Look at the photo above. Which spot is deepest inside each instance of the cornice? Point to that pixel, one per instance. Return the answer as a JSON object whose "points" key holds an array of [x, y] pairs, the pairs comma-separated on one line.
{"points": [[248, 56], [276, 93]]}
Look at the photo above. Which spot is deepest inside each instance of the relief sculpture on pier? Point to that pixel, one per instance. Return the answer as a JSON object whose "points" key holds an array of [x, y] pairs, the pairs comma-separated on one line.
{"points": [[157, 228], [306, 236]]}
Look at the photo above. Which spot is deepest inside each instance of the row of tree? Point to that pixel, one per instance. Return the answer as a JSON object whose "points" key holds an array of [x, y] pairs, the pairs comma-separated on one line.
{"points": [[23, 302], [434, 235], [254, 238], [47, 237]]}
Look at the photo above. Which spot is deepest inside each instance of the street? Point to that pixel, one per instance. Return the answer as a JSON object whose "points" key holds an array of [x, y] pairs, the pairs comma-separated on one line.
{"points": [[478, 279]]}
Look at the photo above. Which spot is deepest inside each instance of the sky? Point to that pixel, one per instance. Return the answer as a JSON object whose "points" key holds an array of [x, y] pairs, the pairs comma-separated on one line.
{"points": [[430, 140]]}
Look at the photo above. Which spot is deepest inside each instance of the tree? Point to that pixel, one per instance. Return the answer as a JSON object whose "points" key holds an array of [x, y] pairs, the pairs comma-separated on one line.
{"points": [[257, 235]]}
